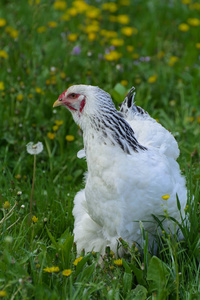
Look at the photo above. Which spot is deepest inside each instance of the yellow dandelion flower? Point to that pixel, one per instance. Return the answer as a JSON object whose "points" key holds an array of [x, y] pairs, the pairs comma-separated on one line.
{"points": [[59, 122], [14, 33], [112, 56], [113, 18], [52, 24], [197, 45], [2, 22], [53, 80], [65, 17], [67, 272], [72, 11], [172, 60], [138, 80], [160, 54], [8, 29], [123, 19], [93, 13], [184, 27], [92, 36], [129, 48], [41, 29], [193, 22], [33, 2], [152, 78], [72, 37], [39, 90], [77, 260], [128, 31], [51, 269], [51, 135], [124, 2], [3, 294], [195, 6], [92, 28], [2, 86], [6, 205], [190, 119], [34, 219], [165, 197], [118, 262], [111, 7], [124, 82], [55, 128], [59, 5], [3, 54], [48, 82], [135, 56], [186, 1], [22, 84], [70, 138], [81, 6], [108, 33], [117, 42], [20, 97], [62, 75], [18, 176]]}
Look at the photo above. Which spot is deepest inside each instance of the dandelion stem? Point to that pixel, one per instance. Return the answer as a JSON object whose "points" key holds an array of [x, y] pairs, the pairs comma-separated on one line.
{"points": [[31, 202], [12, 225], [9, 214]]}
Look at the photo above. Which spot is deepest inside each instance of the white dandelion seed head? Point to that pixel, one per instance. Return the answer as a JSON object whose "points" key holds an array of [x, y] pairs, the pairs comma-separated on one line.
{"points": [[34, 149]]}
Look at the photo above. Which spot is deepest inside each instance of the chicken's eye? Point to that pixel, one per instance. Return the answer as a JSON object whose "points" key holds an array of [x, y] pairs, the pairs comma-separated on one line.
{"points": [[73, 95]]}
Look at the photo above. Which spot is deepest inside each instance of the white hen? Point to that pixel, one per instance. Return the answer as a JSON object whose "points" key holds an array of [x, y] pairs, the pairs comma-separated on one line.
{"points": [[128, 170]]}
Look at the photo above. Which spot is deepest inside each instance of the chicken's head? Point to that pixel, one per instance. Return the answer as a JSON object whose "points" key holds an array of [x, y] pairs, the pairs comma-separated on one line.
{"points": [[84, 101]]}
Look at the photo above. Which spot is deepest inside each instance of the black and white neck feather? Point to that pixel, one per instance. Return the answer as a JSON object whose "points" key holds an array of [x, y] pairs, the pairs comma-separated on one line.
{"points": [[110, 126]]}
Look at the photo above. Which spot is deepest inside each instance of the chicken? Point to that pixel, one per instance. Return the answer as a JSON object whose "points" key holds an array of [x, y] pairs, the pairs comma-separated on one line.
{"points": [[130, 167]]}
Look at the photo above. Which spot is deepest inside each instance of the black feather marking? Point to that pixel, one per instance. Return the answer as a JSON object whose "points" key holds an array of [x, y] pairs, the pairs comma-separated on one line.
{"points": [[130, 97]]}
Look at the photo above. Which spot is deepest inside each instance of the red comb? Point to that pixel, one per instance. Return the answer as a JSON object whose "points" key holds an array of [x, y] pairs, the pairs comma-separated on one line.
{"points": [[62, 95]]}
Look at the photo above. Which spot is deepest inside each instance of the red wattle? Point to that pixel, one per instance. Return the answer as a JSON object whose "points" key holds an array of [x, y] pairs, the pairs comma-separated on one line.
{"points": [[82, 105]]}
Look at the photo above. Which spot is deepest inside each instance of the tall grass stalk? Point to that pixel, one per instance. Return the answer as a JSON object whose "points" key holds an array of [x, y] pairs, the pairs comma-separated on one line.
{"points": [[32, 189]]}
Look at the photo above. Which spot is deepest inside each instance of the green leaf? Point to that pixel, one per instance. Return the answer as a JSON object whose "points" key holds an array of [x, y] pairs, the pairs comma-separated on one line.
{"points": [[52, 238], [139, 275], [126, 267], [119, 93], [139, 293], [86, 273], [66, 249], [159, 274], [63, 237], [127, 282], [82, 263], [178, 203], [120, 89]]}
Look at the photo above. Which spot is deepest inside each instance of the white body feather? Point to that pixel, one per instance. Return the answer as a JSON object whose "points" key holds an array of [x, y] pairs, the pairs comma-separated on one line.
{"points": [[121, 192]]}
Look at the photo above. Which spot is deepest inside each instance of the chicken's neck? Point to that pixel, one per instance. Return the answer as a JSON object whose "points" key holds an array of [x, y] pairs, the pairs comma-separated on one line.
{"points": [[111, 130]]}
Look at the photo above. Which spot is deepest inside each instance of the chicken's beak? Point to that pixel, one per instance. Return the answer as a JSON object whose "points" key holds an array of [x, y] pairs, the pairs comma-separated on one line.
{"points": [[57, 103]]}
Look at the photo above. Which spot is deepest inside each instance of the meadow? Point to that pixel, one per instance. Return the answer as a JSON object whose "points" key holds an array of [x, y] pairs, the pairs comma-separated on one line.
{"points": [[46, 46]]}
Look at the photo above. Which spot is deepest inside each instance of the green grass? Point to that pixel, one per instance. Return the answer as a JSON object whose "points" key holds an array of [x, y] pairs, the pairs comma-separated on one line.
{"points": [[40, 66]]}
